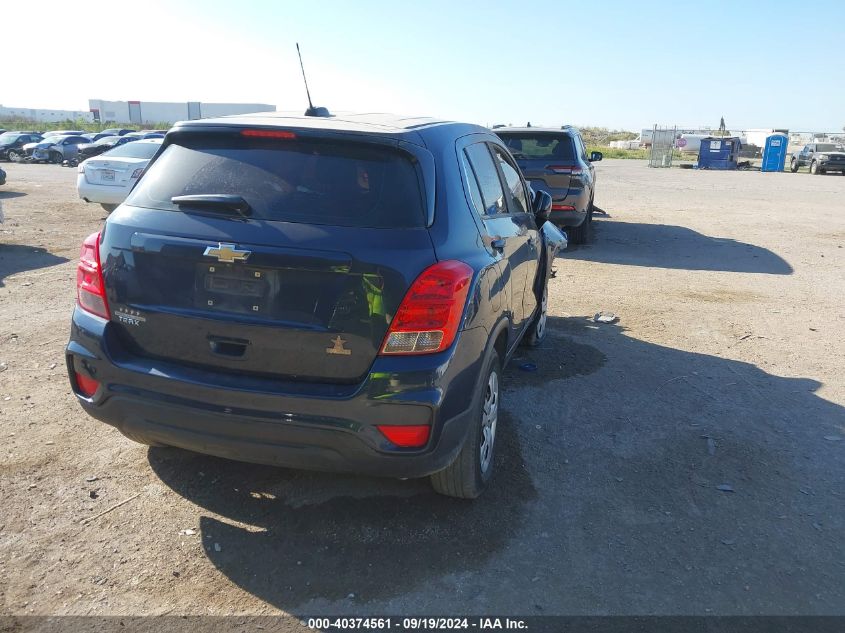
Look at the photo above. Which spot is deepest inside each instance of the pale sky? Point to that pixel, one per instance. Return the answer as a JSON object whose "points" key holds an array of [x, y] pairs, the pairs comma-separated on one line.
{"points": [[613, 63]]}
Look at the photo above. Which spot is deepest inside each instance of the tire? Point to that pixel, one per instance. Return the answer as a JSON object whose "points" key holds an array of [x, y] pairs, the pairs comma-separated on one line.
{"points": [[109, 207], [814, 169], [472, 470], [793, 166], [582, 233], [14, 156], [56, 158], [536, 333]]}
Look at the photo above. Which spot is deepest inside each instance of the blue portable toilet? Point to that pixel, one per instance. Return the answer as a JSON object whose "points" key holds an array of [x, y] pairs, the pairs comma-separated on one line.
{"points": [[718, 152], [774, 153]]}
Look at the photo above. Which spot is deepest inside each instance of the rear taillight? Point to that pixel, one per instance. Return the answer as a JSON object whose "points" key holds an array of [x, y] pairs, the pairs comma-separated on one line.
{"points": [[87, 386], [562, 207], [429, 316], [285, 134], [90, 289], [406, 436], [565, 169], [137, 173]]}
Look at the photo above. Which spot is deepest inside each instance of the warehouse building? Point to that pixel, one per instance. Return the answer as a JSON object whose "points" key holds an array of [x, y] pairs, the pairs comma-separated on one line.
{"points": [[45, 115], [152, 112]]}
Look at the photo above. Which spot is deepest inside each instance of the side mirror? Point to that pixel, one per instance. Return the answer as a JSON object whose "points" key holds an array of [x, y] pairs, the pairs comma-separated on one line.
{"points": [[541, 205], [596, 157]]}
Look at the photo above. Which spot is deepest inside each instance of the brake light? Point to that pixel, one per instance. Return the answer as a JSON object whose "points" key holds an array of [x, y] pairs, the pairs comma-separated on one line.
{"points": [[87, 386], [90, 288], [406, 436], [287, 134], [565, 169], [562, 207], [429, 316], [137, 173]]}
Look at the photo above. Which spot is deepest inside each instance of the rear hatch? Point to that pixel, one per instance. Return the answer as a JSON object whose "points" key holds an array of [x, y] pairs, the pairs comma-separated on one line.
{"points": [[547, 159], [288, 261]]}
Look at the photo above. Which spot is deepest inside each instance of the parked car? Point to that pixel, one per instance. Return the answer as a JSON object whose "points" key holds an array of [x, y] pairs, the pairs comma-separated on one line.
{"points": [[556, 161], [333, 293], [113, 131], [63, 133], [821, 158], [108, 178], [146, 134], [2, 179], [56, 149], [103, 145], [12, 143]]}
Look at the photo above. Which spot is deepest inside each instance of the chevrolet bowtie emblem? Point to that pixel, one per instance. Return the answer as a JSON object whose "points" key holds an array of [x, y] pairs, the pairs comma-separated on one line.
{"points": [[227, 253], [338, 348]]}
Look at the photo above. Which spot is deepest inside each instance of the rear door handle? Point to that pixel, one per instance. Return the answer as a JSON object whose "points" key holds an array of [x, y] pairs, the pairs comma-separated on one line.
{"points": [[498, 244]]}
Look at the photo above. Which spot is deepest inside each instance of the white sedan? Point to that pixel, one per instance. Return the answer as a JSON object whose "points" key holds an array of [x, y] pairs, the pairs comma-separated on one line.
{"points": [[109, 177]]}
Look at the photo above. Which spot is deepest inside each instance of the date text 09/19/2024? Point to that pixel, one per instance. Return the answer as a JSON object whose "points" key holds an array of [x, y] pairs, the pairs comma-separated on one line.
{"points": [[415, 624]]}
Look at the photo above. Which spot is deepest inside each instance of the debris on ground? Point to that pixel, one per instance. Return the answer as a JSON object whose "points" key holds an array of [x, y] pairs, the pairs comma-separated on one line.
{"points": [[725, 488], [711, 446], [188, 532], [605, 317], [217, 547], [528, 367]]}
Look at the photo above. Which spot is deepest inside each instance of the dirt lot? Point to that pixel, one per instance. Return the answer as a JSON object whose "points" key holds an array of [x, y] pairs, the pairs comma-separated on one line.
{"points": [[725, 369]]}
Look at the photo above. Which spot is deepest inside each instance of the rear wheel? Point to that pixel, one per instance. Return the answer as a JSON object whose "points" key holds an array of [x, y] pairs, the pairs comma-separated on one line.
{"points": [[581, 234], [793, 165], [469, 474]]}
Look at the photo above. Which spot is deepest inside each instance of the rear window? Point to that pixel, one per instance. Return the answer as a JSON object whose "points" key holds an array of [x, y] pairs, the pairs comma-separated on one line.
{"points": [[133, 149], [313, 182], [540, 146]]}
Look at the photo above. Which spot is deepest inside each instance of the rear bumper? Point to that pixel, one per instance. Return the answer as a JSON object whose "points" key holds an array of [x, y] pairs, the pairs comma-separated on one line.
{"points": [[568, 218], [100, 193], [308, 426]]}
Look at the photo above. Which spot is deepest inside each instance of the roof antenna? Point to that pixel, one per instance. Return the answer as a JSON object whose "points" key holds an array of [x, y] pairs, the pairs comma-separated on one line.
{"points": [[311, 111]]}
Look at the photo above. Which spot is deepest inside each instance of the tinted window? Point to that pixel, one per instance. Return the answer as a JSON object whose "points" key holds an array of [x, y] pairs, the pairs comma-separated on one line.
{"points": [[492, 196], [540, 146], [516, 192], [133, 150], [474, 191], [341, 184]]}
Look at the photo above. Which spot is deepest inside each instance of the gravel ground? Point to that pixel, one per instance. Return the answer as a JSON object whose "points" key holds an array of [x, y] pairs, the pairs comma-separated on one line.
{"points": [[688, 459]]}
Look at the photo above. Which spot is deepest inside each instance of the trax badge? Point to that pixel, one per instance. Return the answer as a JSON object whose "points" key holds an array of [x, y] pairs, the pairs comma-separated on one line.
{"points": [[338, 348], [227, 253], [129, 317]]}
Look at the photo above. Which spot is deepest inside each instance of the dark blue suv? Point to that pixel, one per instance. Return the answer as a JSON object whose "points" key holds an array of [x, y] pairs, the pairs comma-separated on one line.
{"points": [[338, 293]]}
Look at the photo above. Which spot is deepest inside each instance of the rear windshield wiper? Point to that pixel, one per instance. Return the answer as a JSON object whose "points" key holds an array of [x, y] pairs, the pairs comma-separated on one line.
{"points": [[214, 201]]}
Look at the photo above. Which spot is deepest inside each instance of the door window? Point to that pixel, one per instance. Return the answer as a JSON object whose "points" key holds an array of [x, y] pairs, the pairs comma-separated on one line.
{"points": [[517, 200], [488, 187]]}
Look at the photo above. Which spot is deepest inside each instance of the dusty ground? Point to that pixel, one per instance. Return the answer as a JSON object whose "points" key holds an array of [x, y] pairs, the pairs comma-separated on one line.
{"points": [[724, 369]]}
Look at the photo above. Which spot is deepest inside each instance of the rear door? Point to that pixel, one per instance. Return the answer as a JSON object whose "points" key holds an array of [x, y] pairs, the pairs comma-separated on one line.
{"points": [[502, 232], [517, 199], [302, 285]]}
